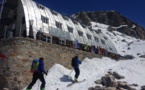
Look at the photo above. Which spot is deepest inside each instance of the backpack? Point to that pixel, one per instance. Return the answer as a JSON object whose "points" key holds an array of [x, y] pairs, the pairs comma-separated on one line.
{"points": [[35, 66], [73, 62]]}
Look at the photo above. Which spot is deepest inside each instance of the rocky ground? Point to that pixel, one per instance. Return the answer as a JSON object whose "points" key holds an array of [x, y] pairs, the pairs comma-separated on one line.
{"points": [[111, 82]]}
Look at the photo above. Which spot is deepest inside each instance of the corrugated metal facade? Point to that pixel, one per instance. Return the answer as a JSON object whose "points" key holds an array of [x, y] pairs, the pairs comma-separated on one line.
{"points": [[39, 18]]}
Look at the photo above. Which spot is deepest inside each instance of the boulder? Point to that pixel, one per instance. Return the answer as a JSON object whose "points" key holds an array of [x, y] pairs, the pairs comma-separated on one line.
{"points": [[128, 57], [91, 88], [143, 87], [98, 88], [110, 72], [98, 81], [110, 88], [118, 76], [107, 80], [125, 85]]}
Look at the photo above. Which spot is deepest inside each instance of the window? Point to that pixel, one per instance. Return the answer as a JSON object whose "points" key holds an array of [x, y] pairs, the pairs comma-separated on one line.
{"points": [[48, 39], [44, 19], [61, 42], [89, 36], [40, 6], [91, 30], [53, 12], [96, 39], [80, 33], [105, 38], [70, 29], [83, 25], [75, 22], [65, 17], [110, 48], [43, 38], [97, 32], [103, 42], [58, 24]]}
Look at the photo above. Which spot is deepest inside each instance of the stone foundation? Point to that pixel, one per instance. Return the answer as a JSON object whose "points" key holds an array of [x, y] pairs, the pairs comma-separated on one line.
{"points": [[14, 72]]}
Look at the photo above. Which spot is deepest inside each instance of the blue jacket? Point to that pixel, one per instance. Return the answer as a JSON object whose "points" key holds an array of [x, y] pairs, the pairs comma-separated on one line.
{"points": [[77, 63], [41, 66]]}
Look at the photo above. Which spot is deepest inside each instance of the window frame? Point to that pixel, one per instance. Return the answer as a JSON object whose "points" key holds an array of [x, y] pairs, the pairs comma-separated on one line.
{"points": [[97, 32], [110, 48], [80, 33], [70, 29], [89, 36], [91, 29], [54, 12], [105, 38], [44, 19], [40, 6], [103, 42], [58, 24], [96, 39]]}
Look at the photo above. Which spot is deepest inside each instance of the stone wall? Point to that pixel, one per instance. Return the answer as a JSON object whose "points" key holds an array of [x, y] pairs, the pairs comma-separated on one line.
{"points": [[14, 72]]}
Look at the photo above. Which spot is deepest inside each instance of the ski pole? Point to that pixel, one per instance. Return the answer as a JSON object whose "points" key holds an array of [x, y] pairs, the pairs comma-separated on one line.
{"points": [[70, 72]]}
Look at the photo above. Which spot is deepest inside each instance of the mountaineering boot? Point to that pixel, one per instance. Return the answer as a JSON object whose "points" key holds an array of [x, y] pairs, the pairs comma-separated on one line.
{"points": [[76, 80], [28, 89], [42, 89]]}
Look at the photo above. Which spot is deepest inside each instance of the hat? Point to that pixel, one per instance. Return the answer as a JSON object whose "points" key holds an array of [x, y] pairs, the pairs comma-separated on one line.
{"points": [[41, 58], [76, 57]]}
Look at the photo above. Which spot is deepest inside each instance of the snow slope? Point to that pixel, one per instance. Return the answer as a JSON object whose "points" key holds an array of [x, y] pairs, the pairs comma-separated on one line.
{"points": [[92, 69], [123, 43]]}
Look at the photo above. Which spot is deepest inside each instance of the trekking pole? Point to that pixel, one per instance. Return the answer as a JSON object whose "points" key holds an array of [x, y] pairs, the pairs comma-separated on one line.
{"points": [[70, 73]]}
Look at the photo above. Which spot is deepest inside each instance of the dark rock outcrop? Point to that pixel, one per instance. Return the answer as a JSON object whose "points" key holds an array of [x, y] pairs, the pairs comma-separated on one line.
{"points": [[143, 87], [108, 82], [111, 18], [118, 76]]}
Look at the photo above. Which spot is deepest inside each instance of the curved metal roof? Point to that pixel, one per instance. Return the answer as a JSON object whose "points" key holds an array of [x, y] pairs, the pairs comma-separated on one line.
{"points": [[34, 11]]}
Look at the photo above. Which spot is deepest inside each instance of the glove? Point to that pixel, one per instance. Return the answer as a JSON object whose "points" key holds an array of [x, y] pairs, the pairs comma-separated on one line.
{"points": [[31, 71], [45, 73]]}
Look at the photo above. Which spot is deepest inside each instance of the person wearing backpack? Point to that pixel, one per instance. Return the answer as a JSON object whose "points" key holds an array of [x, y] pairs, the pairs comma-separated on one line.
{"points": [[37, 68], [75, 64]]}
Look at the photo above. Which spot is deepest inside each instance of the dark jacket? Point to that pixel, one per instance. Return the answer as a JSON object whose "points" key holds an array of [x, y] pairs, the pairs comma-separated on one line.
{"points": [[77, 62]]}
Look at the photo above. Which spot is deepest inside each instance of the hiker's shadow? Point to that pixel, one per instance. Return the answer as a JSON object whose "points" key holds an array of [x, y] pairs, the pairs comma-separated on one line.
{"points": [[66, 78]]}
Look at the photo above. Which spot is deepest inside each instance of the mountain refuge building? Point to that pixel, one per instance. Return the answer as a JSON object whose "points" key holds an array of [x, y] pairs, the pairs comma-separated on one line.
{"points": [[27, 18]]}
